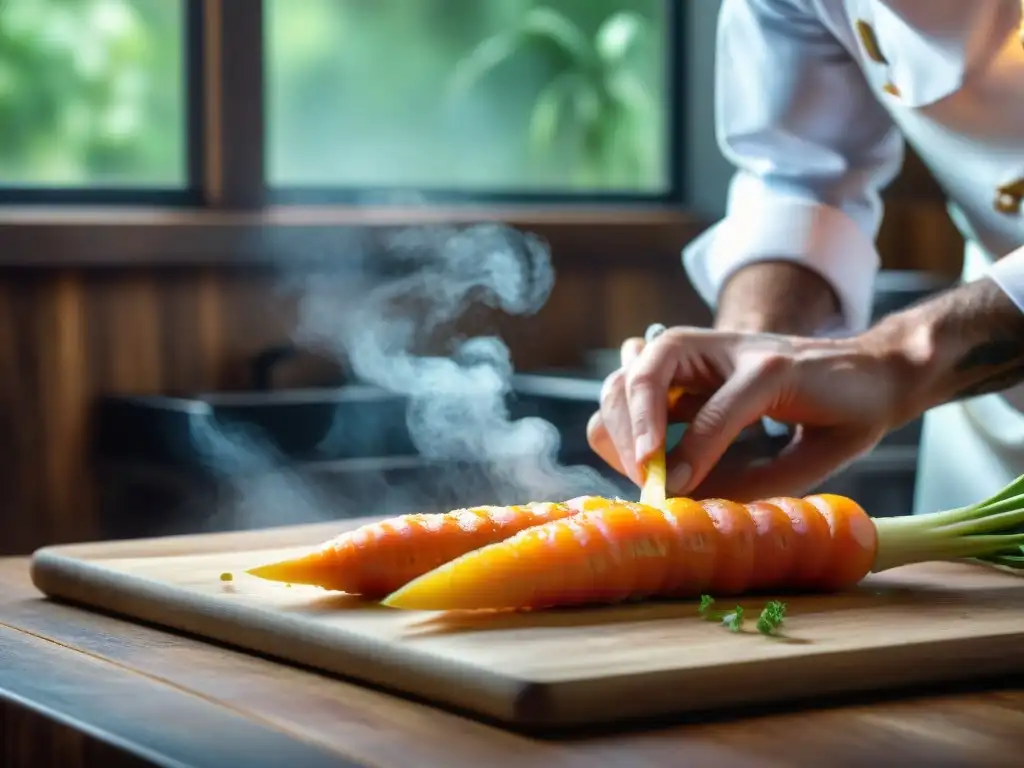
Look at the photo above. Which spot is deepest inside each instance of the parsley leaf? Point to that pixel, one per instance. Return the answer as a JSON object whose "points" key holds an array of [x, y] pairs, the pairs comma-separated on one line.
{"points": [[706, 601], [771, 618], [734, 620], [731, 619]]}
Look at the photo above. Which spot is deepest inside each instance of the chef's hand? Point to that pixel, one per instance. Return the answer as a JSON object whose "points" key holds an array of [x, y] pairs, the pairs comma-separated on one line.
{"points": [[844, 395]]}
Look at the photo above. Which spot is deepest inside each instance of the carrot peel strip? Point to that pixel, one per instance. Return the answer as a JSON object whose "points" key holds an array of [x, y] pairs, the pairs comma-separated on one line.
{"points": [[653, 492]]}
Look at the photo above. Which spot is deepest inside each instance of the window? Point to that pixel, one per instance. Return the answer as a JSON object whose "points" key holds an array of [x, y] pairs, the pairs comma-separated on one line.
{"points": [[233, 104], [516, 98], [92, 95]]}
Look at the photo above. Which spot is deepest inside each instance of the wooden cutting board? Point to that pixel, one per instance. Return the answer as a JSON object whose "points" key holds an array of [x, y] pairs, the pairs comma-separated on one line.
{"points": [[548, 670]]}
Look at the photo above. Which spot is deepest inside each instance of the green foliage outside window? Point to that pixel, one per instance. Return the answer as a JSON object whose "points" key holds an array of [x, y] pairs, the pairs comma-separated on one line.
{"points": [[406, 93], [91, 93]]}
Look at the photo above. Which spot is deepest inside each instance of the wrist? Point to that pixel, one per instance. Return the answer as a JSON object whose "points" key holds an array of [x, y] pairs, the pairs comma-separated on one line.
{"points": [[776, 297], [965, 342], [905, 350]]}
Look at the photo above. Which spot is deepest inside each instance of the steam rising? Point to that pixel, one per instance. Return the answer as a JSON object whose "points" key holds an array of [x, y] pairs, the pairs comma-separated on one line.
{"points": [[401, 327]]}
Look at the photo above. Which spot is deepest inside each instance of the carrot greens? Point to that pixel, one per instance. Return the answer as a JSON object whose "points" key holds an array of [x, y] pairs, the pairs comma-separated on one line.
{"points": [[990, 531]]}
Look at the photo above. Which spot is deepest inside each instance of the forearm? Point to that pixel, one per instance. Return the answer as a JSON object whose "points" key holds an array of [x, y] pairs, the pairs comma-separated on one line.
{"points": [[965, 342], [775, 297]]}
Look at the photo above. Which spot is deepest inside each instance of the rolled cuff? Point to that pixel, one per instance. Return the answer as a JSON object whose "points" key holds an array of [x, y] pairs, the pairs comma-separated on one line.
{"points": [[817, 236], [1008, 274]]}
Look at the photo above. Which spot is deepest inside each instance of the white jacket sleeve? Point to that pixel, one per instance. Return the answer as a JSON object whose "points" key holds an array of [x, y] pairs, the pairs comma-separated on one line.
{"points": [[813, 148], [1008, 273]]}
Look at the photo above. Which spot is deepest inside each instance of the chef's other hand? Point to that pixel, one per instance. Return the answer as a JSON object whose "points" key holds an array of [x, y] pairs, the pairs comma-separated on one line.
{"points": [[842, 395]]}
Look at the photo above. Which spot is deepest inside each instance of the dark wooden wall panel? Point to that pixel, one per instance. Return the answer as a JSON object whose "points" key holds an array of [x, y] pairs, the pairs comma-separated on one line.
{"points": [[66, 337], [919, 235]]}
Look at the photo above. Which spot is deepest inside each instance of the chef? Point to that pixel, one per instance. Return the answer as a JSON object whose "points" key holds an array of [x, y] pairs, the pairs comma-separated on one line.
{"points": [[816, 100]]}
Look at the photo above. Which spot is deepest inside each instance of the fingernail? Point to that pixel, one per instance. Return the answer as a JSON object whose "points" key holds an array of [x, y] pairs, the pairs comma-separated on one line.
{"points": [[644, 446], [680, 476]]}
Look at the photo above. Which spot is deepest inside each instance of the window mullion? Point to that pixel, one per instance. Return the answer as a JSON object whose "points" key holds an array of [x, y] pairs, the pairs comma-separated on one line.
{"points": [[232, 176]]}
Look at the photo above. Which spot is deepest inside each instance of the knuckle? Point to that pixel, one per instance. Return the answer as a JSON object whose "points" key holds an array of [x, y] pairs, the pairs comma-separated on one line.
{"points": [[707, 424], [630, 350], [676, 334], [683, 335], [772, 364], [639, 381], [641, 422]]}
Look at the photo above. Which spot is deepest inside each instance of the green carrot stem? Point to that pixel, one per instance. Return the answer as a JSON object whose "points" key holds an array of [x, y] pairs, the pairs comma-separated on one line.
{"points": [[1003, 516], [971, 515], [992, 530], [1007, 561], [1015, 488]]}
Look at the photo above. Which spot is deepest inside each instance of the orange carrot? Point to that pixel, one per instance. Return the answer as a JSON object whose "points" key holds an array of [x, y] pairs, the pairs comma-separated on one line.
{"points": [[627, 551], [584, 503], [615, 551], [378, 558]]}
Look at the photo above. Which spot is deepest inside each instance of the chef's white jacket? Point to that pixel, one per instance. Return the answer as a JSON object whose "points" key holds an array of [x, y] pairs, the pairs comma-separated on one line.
{"points": [[815, 100]]}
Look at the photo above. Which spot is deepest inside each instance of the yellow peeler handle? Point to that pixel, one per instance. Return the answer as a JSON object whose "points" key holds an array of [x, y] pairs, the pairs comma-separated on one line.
{"points": [[653, 492]]}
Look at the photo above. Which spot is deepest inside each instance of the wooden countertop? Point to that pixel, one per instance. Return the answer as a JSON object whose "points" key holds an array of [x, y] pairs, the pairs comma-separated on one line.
{"points": [[82, 689]]}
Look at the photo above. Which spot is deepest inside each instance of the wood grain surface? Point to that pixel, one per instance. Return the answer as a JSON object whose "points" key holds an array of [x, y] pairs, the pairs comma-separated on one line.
{"points": [[975, 725], [551, 670]]}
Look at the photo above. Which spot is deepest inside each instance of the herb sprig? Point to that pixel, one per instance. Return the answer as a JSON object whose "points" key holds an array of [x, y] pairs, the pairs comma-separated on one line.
{"points": [[769, 622], [772, 617]]}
